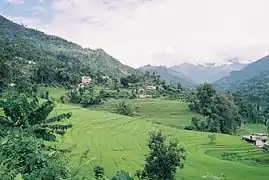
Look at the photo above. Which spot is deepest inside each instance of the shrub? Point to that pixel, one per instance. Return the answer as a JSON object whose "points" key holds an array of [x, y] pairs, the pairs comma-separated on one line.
{"points": [[74, 96], [122, 175], [190, 127], [133, 96], [104, 94], [98, 172], [212, 138], [62, 99], [123, 95], [88, 100], [125, 109]]}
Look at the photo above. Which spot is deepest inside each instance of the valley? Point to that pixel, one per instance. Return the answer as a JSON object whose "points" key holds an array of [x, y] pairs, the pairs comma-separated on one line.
{"points": [[53, 125], [119, 142]]}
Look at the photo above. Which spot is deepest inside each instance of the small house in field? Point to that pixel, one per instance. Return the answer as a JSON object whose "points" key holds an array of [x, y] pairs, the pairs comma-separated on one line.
{"points": [[257, 139], [85, 80], [144, 96], [151, 87]]}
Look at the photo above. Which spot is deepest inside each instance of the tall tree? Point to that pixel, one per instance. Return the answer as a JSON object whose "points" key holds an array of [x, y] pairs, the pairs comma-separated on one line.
{"points": [[164, 158]]}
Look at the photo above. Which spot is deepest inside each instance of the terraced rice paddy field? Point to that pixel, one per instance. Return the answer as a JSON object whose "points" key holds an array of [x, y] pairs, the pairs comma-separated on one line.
{"points": [[100, 136]]}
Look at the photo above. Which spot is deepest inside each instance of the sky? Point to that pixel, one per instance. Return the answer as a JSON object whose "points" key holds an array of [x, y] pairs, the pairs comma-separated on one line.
{"points": [[157, 32]]}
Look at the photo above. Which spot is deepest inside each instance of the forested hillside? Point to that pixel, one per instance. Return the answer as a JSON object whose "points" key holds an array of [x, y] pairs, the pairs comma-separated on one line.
{"points": [[42, 58], [255, 89], [250, 71]]}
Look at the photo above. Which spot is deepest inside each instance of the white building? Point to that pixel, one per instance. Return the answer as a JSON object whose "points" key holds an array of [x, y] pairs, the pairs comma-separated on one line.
{"points": [[256, 139]]}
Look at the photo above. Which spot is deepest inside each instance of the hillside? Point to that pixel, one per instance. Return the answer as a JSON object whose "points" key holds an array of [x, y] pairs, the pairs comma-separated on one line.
{"points": [[232, 81], [255, 89], [51, 59], [201, 73], [169, 75], [119, 142]]}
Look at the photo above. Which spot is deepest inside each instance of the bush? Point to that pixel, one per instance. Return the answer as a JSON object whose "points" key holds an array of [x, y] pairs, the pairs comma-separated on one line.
{"points": [[88, 100], [98, 172], [122, 175], [123, 95], [104, 94], [74, 96], [212, 138], [190, 128], [62, 99], [125, 109], [133, 96]]}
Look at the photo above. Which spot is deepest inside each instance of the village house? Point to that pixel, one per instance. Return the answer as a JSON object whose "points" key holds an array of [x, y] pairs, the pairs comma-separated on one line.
{"points": [[144, 96], [86, 80], [151, 87], [257, 139]]}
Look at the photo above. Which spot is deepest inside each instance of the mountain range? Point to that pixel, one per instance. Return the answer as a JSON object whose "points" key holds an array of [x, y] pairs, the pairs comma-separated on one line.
{"points": [[191, 74], [232, 81], [169, 75], [210, 72]]}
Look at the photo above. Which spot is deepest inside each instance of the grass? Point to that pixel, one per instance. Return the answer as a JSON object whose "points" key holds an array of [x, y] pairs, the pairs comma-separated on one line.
{"points": [[252, 128], [119, 142], [160, 111], [55, 93], [100, 136]]}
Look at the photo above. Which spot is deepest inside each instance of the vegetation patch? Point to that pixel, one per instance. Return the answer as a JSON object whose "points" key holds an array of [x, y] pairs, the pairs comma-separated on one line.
{"points": [[247, 157]]}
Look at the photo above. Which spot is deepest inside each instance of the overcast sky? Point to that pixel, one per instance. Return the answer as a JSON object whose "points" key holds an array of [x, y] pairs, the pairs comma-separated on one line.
{"points": [[158, 32]]}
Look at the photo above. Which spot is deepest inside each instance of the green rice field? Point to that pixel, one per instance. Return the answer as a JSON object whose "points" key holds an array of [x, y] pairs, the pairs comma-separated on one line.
{"points": [[116, 142]]}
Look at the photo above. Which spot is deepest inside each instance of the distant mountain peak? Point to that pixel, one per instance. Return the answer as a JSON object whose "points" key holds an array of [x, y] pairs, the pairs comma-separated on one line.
{"points": [[249, 71]]}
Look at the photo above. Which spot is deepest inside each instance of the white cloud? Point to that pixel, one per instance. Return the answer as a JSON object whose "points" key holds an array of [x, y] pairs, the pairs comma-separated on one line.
{"points": [[139, 32]]}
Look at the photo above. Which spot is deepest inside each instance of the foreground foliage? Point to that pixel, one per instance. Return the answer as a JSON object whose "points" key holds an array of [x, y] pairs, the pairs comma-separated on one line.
{"points": [[163, 159], [24, 127], [21, 114], [28, 156]]}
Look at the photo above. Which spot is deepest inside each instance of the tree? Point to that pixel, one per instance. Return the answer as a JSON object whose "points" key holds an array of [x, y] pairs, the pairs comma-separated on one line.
{"points": [[4, 69], [205, 93], [99, 172], [179, 87], [268, 127], [164, 158], [125, 109], [223, 112], [31, 117], [122, 175], [124, 82], [212, 138]]}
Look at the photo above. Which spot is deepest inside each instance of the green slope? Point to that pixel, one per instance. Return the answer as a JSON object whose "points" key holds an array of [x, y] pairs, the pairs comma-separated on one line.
{"points": [[159, 111], [31, 52], [119, 142], [255, 89]]}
